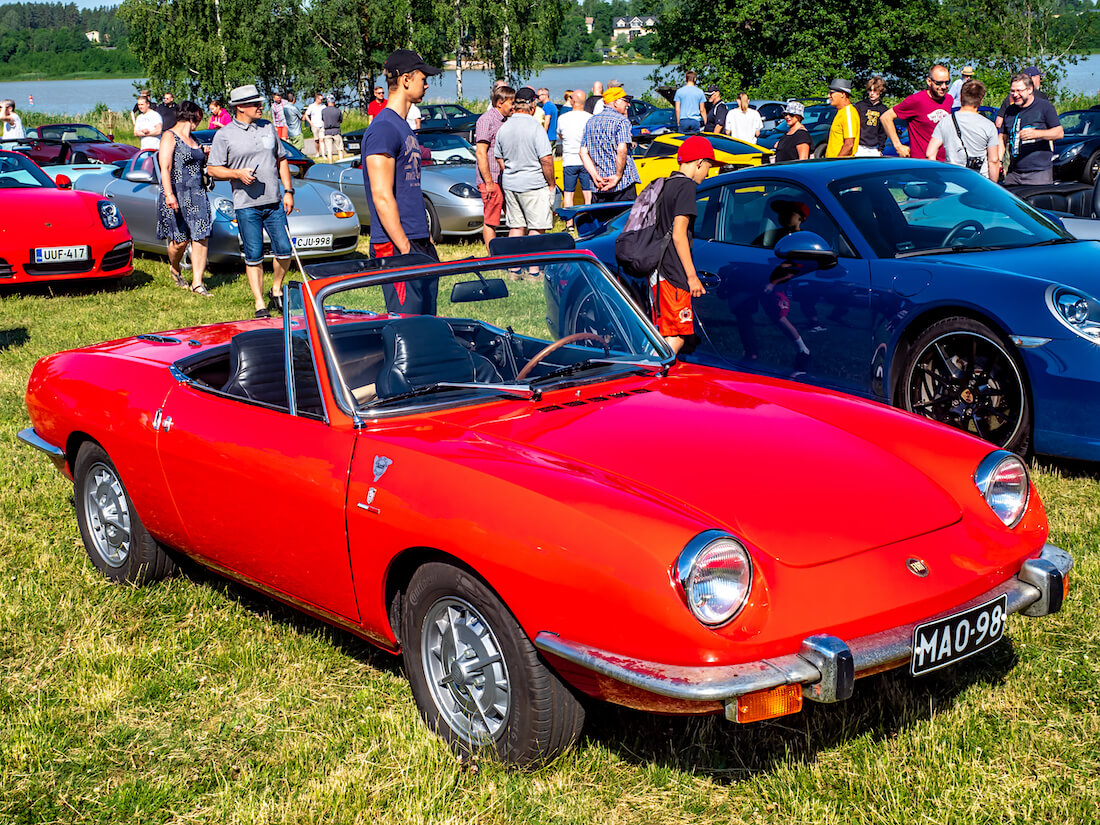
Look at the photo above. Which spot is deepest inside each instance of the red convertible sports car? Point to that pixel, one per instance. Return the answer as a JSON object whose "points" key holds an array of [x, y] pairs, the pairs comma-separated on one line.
{"points": [[532, 501], [74, 143], [51, 234]]}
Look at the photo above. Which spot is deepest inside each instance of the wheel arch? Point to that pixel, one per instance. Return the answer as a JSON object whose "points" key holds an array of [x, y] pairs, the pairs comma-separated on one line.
{"points": [[73, 443], [933, 315]]}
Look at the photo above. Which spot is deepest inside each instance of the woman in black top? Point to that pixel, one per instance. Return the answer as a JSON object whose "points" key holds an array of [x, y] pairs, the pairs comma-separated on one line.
{"points": [[797, 143]]}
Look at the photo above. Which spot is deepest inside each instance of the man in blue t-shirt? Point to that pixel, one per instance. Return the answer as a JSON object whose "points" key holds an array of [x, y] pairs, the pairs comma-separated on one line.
{"points": [[391, 178], [691, 105], [550, 110]]}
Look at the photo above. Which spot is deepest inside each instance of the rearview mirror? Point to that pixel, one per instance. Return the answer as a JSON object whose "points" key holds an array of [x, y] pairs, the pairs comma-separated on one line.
{"points": [[140, 176], [480, 290], [805, 246]]}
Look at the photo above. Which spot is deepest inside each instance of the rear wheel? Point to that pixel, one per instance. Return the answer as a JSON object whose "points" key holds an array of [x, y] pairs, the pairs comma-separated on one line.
{"points": [[962, 373], [475, 675], [116, 540]]}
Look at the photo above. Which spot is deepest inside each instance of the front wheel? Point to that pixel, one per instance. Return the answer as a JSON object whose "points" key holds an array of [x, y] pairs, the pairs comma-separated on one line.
{"points": [[435, 231], [477, 679], [1092, 169], [117, 542], [961, 373]]}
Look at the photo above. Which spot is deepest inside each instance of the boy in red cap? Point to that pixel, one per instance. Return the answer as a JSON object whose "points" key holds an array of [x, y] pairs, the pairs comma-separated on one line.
{"points": [[675, 282]]}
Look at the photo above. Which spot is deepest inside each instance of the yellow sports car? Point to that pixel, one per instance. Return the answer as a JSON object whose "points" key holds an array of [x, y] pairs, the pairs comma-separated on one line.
{"points": [[657, 159]]}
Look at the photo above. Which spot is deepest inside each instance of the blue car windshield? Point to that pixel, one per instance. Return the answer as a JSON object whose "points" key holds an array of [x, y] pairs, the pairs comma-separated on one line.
{"points": [[939, 208]]}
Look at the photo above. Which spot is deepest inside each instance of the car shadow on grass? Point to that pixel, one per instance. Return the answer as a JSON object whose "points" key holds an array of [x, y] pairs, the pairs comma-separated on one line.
{"points": [[1069, 468], [728, 752]]}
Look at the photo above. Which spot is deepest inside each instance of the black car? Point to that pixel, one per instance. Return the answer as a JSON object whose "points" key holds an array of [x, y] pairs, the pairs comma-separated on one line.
{"points": [[1077, 155], [448, 117]]}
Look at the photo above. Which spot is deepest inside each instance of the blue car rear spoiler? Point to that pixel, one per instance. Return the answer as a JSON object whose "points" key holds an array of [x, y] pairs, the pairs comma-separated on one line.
{"points": [[591, 220]]}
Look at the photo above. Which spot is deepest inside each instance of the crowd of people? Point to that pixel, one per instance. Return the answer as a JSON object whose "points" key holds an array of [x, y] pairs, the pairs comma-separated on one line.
{"points": [[515, 145]]}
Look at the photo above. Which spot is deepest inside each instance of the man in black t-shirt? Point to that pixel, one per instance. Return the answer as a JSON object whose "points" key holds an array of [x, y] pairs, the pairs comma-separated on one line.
{"points": [[167, 110], [716, 111], [675, 283], [1036, 81], [872, 134], [1030, 124]]}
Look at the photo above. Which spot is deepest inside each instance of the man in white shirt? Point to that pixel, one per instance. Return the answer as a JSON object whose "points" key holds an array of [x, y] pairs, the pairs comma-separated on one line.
{"points": [[148, 125], [966, 135], [315, 121], [413, 118], [570, 134], [13, 124], [744, 122]]}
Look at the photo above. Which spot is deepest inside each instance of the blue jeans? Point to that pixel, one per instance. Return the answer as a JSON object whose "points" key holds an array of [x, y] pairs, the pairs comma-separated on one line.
{"points": [[689, 124], [251, 223]]}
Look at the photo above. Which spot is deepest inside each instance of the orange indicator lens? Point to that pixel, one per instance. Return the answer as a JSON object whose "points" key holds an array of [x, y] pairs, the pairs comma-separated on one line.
{"points": [[768, 704]]}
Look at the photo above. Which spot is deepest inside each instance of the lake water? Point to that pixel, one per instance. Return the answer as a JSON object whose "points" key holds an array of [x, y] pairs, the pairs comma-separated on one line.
{"points": [[72, 97]]}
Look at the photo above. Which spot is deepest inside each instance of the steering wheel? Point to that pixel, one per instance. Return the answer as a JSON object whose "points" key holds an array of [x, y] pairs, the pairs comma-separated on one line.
{"points": [[957, 230], [554, 347]]}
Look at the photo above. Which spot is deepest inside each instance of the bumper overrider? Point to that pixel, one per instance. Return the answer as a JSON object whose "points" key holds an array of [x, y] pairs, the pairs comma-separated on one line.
{"points": [[825, 667]]}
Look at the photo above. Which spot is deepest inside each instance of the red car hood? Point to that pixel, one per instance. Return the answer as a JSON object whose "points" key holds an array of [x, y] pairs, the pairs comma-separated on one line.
{"points": [[740, 460], [50, 217], [107, 152]]}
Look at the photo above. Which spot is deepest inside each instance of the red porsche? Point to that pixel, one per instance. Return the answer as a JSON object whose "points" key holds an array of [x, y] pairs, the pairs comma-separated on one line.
{"points": [[50, 233], [531, 500]]}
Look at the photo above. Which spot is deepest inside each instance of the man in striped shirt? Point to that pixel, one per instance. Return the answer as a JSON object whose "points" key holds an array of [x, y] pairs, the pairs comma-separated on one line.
{"points": [[844, 133], [605, 150]]}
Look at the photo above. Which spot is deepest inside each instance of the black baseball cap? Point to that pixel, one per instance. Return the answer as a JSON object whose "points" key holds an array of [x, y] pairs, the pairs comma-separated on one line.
{"points": [[406, 61], [526, 95]]}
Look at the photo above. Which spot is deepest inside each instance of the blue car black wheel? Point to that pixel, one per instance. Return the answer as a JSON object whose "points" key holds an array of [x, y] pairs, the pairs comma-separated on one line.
{"points": [[961, 373]]}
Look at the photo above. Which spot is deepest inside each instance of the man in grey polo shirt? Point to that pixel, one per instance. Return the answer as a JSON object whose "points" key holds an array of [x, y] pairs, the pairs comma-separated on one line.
{"points": [[527, 161], [249, 155]]}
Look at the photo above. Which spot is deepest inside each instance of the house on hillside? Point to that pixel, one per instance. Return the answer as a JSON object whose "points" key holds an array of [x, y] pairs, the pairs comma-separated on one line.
{"points": [[637, 26], [93, 36]]}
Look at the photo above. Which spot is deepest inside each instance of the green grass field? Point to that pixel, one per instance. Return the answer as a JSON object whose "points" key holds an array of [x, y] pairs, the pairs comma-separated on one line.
{"points": [[197, 701]]}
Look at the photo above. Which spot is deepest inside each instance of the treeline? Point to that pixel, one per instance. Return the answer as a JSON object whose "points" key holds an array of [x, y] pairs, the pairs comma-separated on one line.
{"points": [[574, 42], [49, 40]]}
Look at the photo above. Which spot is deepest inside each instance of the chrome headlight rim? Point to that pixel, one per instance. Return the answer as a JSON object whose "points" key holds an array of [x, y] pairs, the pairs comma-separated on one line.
{"points": [[985, 478], [1075, 310], [339, 202], [686, 565], [223, 208], [109, 215]]}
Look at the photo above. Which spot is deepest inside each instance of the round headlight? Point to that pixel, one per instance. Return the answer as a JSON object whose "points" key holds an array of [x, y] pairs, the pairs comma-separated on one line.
{"points": [[109, 215], [340, 202], [1075, 310], [714, 575], [1003, 482], [464, 190], [224, 208]]}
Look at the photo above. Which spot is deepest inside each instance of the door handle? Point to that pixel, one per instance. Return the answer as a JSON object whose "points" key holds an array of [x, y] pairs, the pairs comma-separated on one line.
{"points": [[708, 279]]}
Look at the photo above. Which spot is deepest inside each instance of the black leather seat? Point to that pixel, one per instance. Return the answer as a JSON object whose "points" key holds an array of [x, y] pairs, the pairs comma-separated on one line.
{"points": [[1072, 198], [258, 370], [421, 351]]}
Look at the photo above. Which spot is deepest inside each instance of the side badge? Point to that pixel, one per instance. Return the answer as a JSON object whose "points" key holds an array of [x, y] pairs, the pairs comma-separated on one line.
{"points": [[381, 464]]}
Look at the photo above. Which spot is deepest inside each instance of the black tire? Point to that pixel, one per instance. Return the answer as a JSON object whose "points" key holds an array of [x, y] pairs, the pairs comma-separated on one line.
{"points": [[117, 542], [962, 373], [512, 705], [819, 150], [1092, 168], [435, 232]]}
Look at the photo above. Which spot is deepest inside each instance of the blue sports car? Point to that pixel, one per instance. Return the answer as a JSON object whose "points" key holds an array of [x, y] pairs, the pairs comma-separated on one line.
{"points": [[916, 283]]}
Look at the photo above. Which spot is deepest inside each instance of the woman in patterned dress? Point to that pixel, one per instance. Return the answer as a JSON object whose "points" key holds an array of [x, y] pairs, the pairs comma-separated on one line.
{"points": [[183, 209]]}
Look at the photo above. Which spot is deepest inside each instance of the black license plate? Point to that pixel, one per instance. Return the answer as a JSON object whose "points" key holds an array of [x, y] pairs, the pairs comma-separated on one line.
{"points": [[946, 641]]}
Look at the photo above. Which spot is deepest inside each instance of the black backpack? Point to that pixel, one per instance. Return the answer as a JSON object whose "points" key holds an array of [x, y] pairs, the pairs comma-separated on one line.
{"points": [[639, 247]]}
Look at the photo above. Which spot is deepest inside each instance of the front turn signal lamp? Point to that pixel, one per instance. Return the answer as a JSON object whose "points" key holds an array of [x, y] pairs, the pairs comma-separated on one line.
{"points": [[765, 704]]}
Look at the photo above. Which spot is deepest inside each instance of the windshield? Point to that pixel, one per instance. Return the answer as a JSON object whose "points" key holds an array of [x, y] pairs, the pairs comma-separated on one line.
{"points": [[447, 148], [658, 117], [16, 172], [516, 332], [940, 208], [1080, 123], [71, 131]]}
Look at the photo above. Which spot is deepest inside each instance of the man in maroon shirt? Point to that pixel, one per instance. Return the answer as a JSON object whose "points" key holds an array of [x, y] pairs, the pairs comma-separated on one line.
{"points": [[923, 110]]}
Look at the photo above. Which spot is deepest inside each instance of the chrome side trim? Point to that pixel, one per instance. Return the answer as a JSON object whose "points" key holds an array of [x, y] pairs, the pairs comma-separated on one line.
{"points": [[870, 654], [33, 439]]}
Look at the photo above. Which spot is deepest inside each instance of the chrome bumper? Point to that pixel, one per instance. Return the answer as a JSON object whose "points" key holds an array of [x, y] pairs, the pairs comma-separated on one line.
{"points": [[825, 666], [56, 454]]}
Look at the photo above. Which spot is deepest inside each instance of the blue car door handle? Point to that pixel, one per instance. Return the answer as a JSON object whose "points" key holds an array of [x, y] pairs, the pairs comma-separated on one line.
{"points": [[707, 279]]}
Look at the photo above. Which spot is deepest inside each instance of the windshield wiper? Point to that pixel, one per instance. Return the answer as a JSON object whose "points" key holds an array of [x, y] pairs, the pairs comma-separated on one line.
{"points": [[588, 363], [440, 386], [1054, 242], [940, 250]]}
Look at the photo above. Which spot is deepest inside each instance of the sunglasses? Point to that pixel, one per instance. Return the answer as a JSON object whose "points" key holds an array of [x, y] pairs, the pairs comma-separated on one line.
{"points": [[939, 82]]}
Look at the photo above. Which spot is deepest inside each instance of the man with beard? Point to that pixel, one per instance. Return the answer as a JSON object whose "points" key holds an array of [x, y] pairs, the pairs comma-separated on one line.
{"points": [[923, 110]]}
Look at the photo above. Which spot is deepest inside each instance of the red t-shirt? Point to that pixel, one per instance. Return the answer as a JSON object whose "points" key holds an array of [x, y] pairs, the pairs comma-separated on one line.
{"points": [[375, 106], [923, 113]]}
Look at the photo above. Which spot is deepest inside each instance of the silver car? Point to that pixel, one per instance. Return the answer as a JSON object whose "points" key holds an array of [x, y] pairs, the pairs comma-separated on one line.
{"points": [[451, 199], [323, 224]]}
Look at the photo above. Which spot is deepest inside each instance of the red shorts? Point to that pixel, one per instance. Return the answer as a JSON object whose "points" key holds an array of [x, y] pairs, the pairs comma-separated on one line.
{"points": [[493, 202], [673, 310], [281, 132]]}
